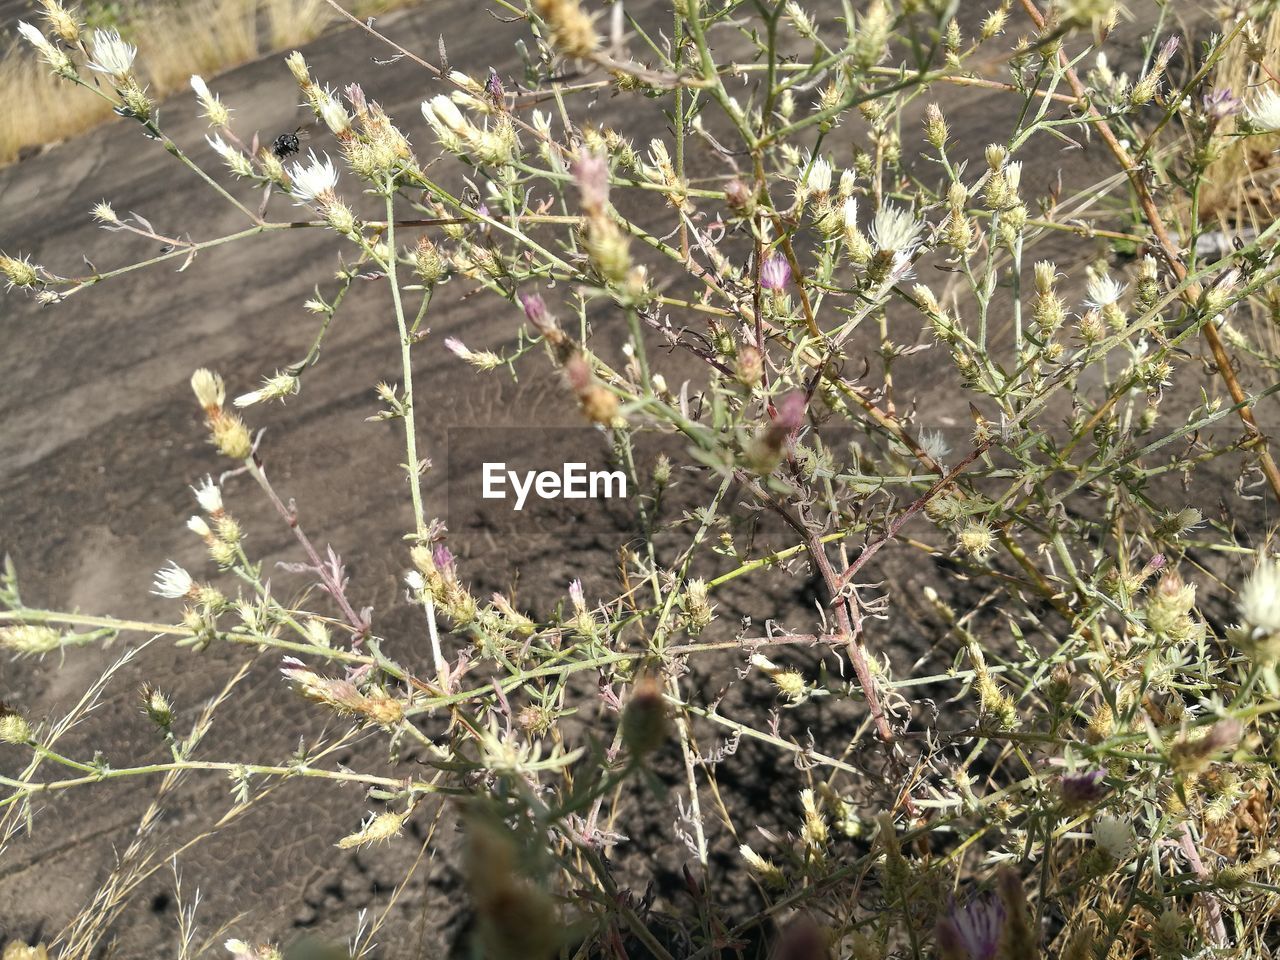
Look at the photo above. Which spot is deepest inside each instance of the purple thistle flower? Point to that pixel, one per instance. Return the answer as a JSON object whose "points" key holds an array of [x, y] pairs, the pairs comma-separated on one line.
{"points": [[1167, 50], [1083, 788], [974, 930], [535, 309], [591, 172], [443, 559], [356, 97], [775, 272], [1220, 104]]}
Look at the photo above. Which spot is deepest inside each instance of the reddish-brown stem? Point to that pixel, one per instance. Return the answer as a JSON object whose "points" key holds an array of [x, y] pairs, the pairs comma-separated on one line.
{"points": [[330, 582]]}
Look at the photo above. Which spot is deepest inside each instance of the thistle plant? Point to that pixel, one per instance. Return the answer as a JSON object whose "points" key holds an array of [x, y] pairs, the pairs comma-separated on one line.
{"points": [[1003, 425]]}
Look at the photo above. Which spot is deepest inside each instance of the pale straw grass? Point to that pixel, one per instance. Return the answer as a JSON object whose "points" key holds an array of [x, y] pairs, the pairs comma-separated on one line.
{"points": [[202, 37], [174, 41], [39, 108], [1241, 189]]}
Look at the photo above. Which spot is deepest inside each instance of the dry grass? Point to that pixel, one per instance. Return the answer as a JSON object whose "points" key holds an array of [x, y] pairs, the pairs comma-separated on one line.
{"points": [[1242, 185], [174, 41], [40, 108], [203, 37], [291, 22]]}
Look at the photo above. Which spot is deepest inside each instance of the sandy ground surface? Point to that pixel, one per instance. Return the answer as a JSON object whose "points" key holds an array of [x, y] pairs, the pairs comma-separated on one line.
{"points": [[99, 440]]}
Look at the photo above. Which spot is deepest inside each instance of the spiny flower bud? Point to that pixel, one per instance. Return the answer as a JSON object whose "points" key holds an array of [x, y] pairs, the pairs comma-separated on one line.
{"points": [[515, 918], [377, 829], [572, 32], [935, 126], [19, 272], [1101, 724], [342, 695], [13, 728], [1169, 606], [231, 437], [599, 405], [749, 368], [766, 870], [427, 262], [994, 24], [297, 65], [1192, 755], [30, 639], [62, 21], [698, 612], [157, 706], [740, 197], [607, 248], [644, 720], [273, 388], [790, 683], [976, 539], [1092, 329], [55, 57]]}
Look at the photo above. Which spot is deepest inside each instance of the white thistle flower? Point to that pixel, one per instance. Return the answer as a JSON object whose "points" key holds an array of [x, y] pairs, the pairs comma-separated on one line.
{"points": [[111, 54], [332, 112], [935, 445], [36, 38], [818, 179], [895, 229], [850, 211], [214, 109], [273, 388], [203, 93], [314, 182], [1264, 112], [1259, 598], [1013, 174], [440, 111], [51, 55], [220, 146], [172, 582], [484, 359], [1104, 291], [1114, 836], [199, 527], [209, 496]]}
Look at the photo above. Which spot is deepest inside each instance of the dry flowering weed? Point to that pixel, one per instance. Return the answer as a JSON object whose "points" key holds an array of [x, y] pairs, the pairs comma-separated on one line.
{"points": [[1079, 761]]}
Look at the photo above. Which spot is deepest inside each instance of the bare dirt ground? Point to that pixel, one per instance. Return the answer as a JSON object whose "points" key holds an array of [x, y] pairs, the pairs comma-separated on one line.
{"points": [[100, 440]]}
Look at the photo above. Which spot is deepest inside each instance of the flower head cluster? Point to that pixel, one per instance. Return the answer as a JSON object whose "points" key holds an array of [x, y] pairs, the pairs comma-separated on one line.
{"points": [[342, 695], [227, 431], [494, 144]]}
